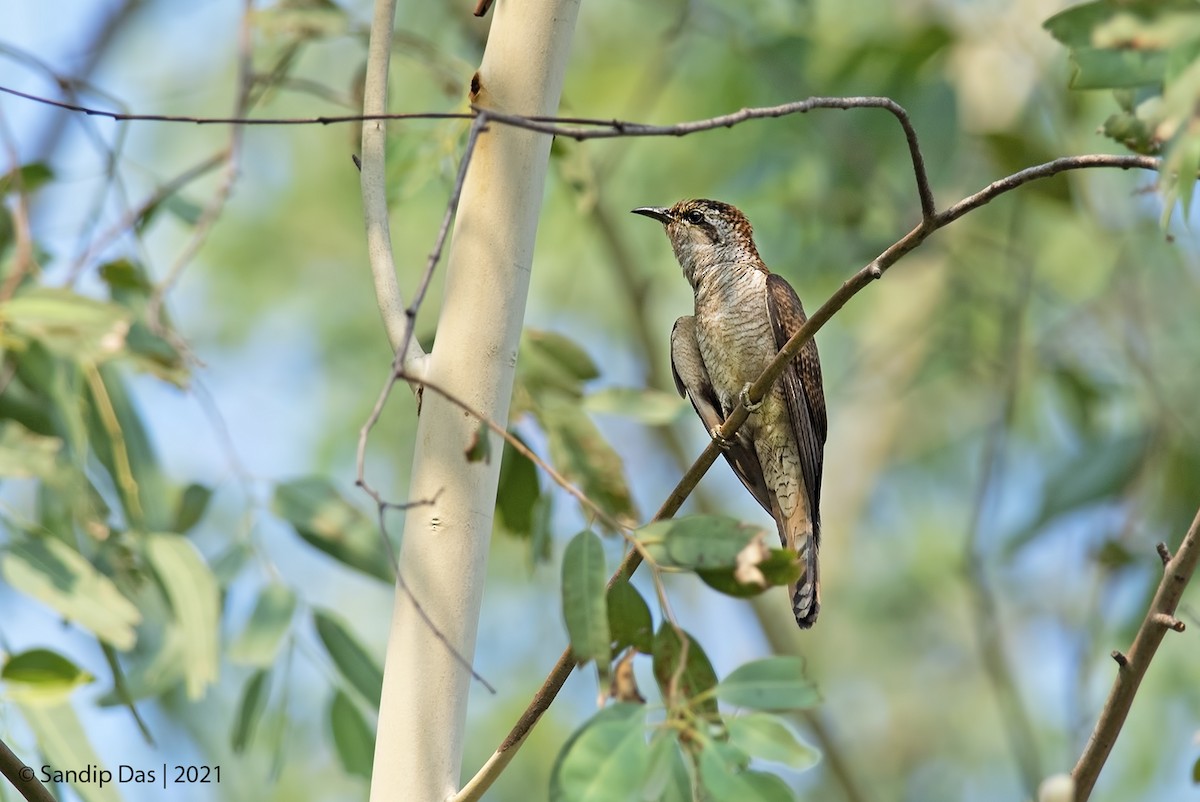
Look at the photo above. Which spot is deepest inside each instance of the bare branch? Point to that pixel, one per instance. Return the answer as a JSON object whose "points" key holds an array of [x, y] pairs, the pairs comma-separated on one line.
{"points": [[373, 180], [22, 777], [235, 120], [1133, 665], [133, 215], [477, 127], [525, 451]]}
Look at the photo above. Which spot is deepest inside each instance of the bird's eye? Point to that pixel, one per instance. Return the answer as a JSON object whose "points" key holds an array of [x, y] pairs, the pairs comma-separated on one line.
{"points": [[695, 216]]}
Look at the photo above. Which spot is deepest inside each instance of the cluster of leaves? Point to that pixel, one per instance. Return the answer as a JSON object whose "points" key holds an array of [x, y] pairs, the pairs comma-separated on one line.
{"points": [[632, 750], [106, 542], [103, 541], [549, 389], [1148, 52]]}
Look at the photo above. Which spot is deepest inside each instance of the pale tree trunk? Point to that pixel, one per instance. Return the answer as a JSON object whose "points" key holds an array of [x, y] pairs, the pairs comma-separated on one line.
{"points": [[443, 555]]}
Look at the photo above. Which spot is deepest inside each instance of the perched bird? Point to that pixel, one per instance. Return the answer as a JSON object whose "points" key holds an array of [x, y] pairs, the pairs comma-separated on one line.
{"points": [[744, 315]]}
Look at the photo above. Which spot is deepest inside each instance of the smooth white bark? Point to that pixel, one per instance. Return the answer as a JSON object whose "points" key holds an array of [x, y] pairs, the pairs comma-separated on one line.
{"points": [[374, 187], [443, 555]]}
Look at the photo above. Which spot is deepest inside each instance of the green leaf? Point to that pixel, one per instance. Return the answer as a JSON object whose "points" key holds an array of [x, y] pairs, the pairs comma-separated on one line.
{"points": [[184, 209], [721, 777], [352, 736], [258, 643], [697, 676], [1133, 132], [1179, 172], [549, 365], [41, 676], [195, 603], [648, 406], [697, 541], [192, 504], [1077, 26], [605, 759], [581, 453], [320, 515], [779, 568], [764, 736], [541, 541], [518, 491], [56, 575], [583, 597], [776, 683], [353, 661], [250, 709], [629, 620], [145, 501], [562, 352], [125, 278], [24, 454], [156, 355], [1196, 772], [64, 746], [1116, 69], [27, 178], [156, 662], [666, 778], [69, 324], [480, 448]]}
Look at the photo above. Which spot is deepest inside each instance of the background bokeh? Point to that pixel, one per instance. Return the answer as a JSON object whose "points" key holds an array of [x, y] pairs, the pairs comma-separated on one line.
{"points": [[1012, 409]]}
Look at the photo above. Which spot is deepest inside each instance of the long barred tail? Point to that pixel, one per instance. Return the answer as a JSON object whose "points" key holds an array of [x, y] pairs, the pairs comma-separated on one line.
{"points": [[806, 593]]}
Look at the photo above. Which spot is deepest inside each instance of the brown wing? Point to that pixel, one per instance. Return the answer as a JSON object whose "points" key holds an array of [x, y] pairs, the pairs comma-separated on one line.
{"points": [[801, 382], [692, 381]]}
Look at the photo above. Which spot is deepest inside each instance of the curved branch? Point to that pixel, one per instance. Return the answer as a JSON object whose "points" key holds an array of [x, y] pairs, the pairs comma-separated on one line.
{"points": [[373, 179], [1131, 667], [557, 677]]}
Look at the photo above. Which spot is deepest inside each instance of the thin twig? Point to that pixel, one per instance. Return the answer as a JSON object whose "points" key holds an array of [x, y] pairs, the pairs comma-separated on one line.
{"points": [[130, 218], [477, 127], [526, 452], [607, 129], [1133, 664], [236, 120]]}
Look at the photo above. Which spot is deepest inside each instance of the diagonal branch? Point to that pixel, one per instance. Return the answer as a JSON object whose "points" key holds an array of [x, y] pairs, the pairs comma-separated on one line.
{"points": [[557, 677], [1131, 667], [22, 777]]}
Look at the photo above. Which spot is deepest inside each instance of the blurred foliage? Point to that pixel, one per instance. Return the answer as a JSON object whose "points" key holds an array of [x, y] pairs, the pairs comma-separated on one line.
{"points": [[195, 563]]}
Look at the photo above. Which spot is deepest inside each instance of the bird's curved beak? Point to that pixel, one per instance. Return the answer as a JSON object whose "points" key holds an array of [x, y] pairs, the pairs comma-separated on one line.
{"points": [[659, 213]]}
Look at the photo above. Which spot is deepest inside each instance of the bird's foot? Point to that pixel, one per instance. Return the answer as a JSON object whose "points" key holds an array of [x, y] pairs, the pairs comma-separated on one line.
{"points": [[723, 442], [745, 399]]}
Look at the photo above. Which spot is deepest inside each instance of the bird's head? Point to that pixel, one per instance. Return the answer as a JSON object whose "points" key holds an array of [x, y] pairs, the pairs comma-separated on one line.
{"points": [[706, 234]]}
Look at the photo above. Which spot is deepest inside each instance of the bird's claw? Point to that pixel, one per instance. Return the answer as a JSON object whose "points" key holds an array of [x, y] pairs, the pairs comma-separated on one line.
{"points": [[723, 442], [745, 399]]}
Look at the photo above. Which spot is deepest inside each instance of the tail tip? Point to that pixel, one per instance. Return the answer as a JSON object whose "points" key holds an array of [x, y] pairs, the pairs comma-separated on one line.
{"points": [[805, 608]]}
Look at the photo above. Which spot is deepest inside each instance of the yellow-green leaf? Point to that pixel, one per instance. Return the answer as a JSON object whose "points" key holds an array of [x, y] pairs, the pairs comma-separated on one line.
{"points": [[195, 604], [57, 575]]}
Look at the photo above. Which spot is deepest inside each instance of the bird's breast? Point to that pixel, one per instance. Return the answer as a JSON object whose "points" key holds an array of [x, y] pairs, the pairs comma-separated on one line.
{"points": [[733, 330]]}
